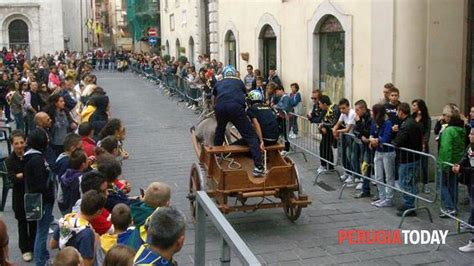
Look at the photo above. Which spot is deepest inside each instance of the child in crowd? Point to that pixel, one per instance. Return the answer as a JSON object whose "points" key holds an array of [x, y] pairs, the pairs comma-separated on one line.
{"points": [[119, 255], [109, 147], [68, 189], [156, 195], [122, 220], [295, 100], [87, 134], [466, 168], [115, 128], [111, 169], [75, 229], [69, 256], [72, 142]]}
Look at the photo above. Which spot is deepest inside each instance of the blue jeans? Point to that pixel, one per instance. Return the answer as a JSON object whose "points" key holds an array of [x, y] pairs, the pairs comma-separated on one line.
{"points": [[42, 231], [449, 189], [408, 173], [385, 163], [19, 122]]}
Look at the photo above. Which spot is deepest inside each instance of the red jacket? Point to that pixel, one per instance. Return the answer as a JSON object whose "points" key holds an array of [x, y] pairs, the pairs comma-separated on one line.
{"points": [[88, 145], [100, 224]]}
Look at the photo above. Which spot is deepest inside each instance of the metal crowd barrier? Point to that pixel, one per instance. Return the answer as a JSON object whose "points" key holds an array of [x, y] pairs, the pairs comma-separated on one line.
{"points": [[311, 140], [230, 239], [410, 161]]}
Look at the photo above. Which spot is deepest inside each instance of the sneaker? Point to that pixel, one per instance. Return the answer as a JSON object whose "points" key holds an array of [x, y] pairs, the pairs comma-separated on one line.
{"points": [[284, 153], [258, 171], [362, 195], [292, 135], [344, 177], [426, 189], [350, 182], [374, 203], [446, 212], [467, 248], [321, 169], [359, 186], [375, 198], [27, 257], [384, 203]]}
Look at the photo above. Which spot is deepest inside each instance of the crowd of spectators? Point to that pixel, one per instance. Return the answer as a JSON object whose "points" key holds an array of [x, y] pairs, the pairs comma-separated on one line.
{"points": [[68, 150]]}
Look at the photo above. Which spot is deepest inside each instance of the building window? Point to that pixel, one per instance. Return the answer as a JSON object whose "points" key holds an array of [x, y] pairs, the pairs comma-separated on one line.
{"points": [[191, 51], [172, 22], [177, 52], [268, 41], [167, 47], [183, 18], [18, 34], [331, 58], [230, 49]]}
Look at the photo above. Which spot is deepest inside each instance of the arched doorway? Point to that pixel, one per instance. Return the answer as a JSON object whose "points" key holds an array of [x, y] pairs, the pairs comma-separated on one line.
{"points": [[167, 47], [268, 41], [331, 57], [230, 49], [18, 34], [177, 52], [191, 50]]}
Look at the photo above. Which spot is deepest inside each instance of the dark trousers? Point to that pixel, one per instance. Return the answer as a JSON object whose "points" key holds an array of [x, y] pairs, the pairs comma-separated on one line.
{"points": [[282, 124], [235, 114], [325, 150], [26, 230]]}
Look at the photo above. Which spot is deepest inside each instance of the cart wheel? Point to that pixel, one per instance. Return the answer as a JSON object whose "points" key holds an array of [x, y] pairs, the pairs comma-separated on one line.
{"points": [[292, 211], [195, 184]]}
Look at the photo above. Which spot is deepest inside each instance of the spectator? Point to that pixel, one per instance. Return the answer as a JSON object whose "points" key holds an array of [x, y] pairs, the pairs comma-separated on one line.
{"points": [[362, 155], [422, 117], [115, 128], [166, 238], [38, 178], [119, 255], [315, 115], [384, 159], [386, 93], [61, 122], [100, 116], [156, 195], [465, 167], [87, 133], [69, 256], [68, 189], [391, 108], [259, 86], [16, 104], [15, 171], [451, 150], [72, 142], [330, 115], [249, 79], [122, 220], [273, 76], [94, 180], [34, 105], [344, 125], [296, 104], [271, 99], [409, 136], [75, 229]]}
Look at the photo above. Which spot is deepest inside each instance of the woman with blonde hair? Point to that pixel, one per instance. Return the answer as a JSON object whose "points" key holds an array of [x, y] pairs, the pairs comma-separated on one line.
{"points": [[451, 150]]}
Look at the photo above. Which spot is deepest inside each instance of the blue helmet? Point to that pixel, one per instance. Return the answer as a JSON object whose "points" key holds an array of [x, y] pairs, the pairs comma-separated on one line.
{"points": [[229, 71]]}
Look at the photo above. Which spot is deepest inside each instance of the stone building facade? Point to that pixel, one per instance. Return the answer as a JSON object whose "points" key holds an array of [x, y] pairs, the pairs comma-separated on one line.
{"points": [[347, 48], [36, 25]]}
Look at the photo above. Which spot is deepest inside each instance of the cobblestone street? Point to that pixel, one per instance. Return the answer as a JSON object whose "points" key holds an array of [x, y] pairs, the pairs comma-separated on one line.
{"points": [[160, 148]]}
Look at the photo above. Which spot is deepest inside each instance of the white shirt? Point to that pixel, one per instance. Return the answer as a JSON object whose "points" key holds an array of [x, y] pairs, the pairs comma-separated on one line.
{"points": [[348, 119]]}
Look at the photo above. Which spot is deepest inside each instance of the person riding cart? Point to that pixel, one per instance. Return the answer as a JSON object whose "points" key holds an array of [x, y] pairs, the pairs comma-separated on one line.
{"points": [[230, 107]]}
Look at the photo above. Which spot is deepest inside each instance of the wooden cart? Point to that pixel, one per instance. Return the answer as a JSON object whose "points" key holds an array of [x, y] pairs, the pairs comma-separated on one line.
{"points": [[219, 175]]}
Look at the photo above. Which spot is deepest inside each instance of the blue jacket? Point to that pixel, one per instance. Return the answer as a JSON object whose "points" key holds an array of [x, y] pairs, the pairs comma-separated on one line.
{"points": [[230, 91], [284, 103], [69, 185], [295, 99], [383, 133]]}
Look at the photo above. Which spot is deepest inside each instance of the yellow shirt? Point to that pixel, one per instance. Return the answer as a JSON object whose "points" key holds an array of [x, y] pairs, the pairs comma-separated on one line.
{"points": [[107, 241], [87, 113]]}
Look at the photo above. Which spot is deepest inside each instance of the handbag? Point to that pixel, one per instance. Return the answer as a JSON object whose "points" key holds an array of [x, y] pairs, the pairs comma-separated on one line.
{"points": [[33, 205]]}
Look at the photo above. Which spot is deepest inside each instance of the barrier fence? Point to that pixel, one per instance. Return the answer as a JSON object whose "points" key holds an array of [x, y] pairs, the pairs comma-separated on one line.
{"points": [[382, 167], [229, 238]]}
